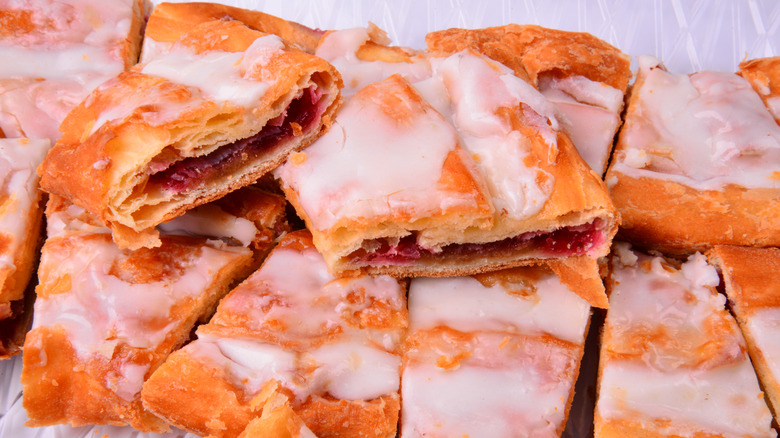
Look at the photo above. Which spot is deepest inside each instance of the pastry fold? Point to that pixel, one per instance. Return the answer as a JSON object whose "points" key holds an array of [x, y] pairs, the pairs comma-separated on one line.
{"points": [[696, 163], [462, 171], [339, 366], [224, 106]]}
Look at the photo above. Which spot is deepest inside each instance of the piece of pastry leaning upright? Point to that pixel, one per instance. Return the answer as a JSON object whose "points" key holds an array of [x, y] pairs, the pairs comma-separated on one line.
{"points": [[586, 78], [494, 355], [764, 75], [673, 360], [222, 107], [753, 290], [105, 318], [457, 166], [697, 163], [330, 345]]}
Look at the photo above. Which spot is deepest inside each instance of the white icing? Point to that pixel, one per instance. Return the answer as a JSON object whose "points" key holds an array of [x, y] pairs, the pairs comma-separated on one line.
{"points": [[19, 158], [127, 381], [222, 76], [590, 114], [706, 130], [464, 304], [679, 377], [210, 220], [374, 146], [353, 371], [520, 397], [764, 326], [61, 63], [152, 49], [340, 48], [100, 310], [773, 103], [723, 400], [467, 90]]}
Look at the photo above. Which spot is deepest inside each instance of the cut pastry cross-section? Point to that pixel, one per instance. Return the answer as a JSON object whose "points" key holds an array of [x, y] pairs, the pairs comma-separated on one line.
{"points": [[224, 106], [463, 172], [332, 344], [673, 361]]}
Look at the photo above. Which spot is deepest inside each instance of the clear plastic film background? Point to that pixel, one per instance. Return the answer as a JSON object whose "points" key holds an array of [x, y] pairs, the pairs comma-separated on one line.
{"points": [[687, 35]]}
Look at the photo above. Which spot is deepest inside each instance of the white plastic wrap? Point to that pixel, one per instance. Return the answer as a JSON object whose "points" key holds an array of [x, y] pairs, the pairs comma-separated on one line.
{"points": [[686, 35]]}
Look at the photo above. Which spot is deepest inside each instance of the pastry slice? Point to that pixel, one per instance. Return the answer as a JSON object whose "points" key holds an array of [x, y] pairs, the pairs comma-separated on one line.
{"points": [[466, 171], [753, 290], [106, 318], [673, 361], [696, 163], [55, 53], [493, 355], [20, 234], [225, 105], [585, 77], [764, 75], [169, 21], [333, 345]]}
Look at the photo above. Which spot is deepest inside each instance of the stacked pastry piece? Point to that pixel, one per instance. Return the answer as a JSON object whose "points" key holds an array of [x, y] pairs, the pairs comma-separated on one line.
{"points": [[53, 54], [198, 123], [696, 166]]}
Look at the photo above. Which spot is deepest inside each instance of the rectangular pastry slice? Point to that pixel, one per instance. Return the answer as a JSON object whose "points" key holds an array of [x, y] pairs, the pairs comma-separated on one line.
{"points": [[764, 75], [673, 360], [331, 344], [493, 355], [753, 290], [54, 53], [585, 77], [462, 172], [696, 163], [224, 106], [106, 318], [169, 21], [20, 234]]}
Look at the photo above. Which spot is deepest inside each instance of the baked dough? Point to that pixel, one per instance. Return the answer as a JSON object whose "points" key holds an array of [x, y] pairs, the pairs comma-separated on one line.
{"points": [[462, 172], [494, 355], [226, 105], [753, 290], [673, 360], [54, 53], [585, 77], [21, 212], [696, 163], [764, 75], [339, 366], [106, 318], [169, 21]]}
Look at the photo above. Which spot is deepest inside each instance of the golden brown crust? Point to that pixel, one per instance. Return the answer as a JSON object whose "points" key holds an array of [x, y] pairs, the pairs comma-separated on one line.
{"points": [[764, 76], [752, 283], [169, 21], [626, 428], [581, 275], [105, 170], [674, 218], [533, 51], [62, 386]]}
